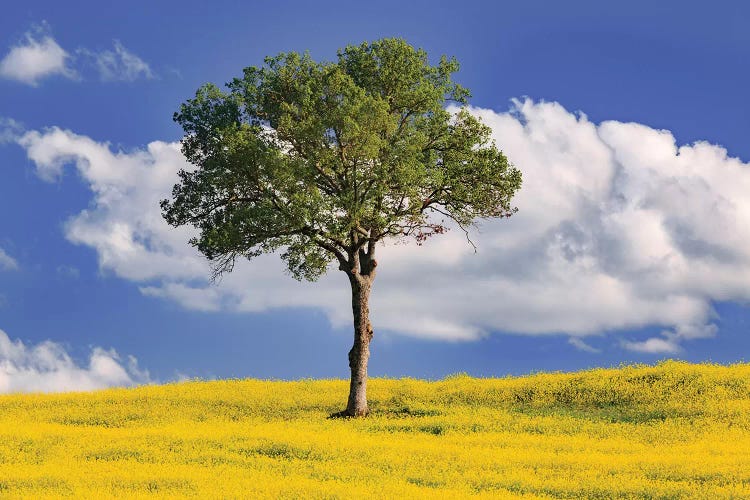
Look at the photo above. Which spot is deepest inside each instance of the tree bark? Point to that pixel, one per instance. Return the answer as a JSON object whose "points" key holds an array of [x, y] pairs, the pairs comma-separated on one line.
{"points": [[360, 351]]}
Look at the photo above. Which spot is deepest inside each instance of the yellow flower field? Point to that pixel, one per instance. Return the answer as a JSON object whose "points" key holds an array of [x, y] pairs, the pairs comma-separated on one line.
{"points": [[674, 430]]}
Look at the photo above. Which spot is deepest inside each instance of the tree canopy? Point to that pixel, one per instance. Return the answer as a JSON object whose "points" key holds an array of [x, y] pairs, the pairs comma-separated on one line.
{"points": [[322, 160]]}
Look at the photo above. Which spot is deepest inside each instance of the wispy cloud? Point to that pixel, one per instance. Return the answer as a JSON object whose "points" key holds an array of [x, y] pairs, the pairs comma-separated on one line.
{"points": [[7, 263], [47, 367], [35, 57], [654, 345], [10, 130], [668, 342], [66, 271], [118, 64], [38, 56], [579, 344]]}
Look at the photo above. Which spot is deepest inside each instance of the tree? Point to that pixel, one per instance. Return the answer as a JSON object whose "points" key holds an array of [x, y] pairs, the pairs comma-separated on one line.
{"points": [[322, 161]]}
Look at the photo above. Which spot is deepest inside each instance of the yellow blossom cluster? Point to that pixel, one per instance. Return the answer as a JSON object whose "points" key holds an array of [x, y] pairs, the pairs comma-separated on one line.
{"points": [[674, 430]]}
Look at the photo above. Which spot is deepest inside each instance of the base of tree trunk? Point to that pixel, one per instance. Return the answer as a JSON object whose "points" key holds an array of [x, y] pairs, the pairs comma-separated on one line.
{"points": [[347, 414]]}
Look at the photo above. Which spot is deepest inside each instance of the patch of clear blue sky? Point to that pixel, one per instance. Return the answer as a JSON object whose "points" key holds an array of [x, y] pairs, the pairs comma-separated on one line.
{"points": [[681, 66]]}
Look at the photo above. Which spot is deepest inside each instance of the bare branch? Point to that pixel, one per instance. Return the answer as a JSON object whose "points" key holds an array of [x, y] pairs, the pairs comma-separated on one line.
{"points": [[225, 264], [459, 223]]}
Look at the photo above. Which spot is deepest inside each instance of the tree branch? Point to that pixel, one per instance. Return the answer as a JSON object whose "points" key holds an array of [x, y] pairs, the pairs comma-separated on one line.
{"points": [[460, 225], [343, 262]]}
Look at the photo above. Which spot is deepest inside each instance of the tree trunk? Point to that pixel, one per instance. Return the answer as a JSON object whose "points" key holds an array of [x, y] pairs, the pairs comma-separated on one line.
{"points": [[360, 352]]}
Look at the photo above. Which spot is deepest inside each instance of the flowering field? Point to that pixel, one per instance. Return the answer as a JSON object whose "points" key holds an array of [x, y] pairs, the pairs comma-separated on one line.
{"points": [[670, 431]]}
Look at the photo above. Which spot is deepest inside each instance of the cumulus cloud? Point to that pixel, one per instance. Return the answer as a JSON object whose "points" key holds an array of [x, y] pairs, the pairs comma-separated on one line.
{"points": [[7, 263], [618, 228], [47, 367], [119, 64], [35, 57]]}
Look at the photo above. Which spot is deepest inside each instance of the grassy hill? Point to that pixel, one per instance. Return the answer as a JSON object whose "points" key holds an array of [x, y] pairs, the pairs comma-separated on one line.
{"points": [[669, 431]]}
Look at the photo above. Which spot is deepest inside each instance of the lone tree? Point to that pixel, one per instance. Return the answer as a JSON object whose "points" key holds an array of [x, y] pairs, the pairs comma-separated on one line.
{"points": [[324, 160]]}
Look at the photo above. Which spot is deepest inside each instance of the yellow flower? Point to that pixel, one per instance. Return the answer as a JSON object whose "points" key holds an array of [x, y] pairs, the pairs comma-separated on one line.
{"points": [[671, 430]]}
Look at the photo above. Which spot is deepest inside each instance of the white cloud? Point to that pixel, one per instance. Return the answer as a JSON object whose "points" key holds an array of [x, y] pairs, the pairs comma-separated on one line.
{"points": [[47, 367], [618, 228], [579, 344], [119, 64], [198, 299], [36, 57], [7, 263], [669, 341], [654, 345], [10, 130]]}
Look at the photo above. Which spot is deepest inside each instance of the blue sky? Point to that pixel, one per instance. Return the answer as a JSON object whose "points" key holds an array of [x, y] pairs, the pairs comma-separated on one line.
{"points": [[653, 255]]}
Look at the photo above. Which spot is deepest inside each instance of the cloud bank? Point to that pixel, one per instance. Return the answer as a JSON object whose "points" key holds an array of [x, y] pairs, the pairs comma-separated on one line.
{"points": [[47, 367], [618, 228]]}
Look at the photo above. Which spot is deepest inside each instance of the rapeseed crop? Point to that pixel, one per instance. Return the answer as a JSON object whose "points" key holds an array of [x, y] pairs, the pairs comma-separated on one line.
{"points": [[674, 430]]}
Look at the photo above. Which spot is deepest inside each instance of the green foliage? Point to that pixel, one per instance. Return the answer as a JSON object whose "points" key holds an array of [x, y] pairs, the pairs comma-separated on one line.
{"points": [[324, 160]]}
